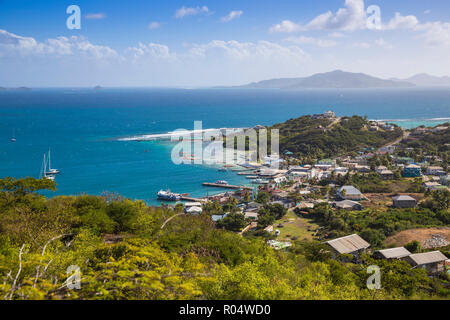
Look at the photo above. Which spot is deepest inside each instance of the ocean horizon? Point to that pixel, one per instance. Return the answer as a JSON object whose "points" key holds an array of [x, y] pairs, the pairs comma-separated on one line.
{"points": [[83, 128]]}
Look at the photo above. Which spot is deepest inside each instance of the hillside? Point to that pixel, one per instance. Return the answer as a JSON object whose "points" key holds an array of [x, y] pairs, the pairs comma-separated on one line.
{"points": [[334, 79], [306, 136]]}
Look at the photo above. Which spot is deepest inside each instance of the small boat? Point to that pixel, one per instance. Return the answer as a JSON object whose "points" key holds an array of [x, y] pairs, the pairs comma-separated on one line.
{"points": [[168, 196], [222, 182], [13, 139], [223, 170], [260, 181]]}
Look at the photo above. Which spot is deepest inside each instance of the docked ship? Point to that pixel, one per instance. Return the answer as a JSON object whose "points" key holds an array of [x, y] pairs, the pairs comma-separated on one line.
{"points": [[168, 196]]}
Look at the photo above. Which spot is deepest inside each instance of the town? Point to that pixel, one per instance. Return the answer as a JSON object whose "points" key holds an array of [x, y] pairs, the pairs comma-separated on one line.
{"points": [[286, 203]]}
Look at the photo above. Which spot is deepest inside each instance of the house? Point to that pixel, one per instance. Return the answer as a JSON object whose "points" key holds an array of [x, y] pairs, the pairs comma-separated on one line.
{"points": [[445, 180], [412, 171], [348, 205], [352, 244], [362, 169], [403, 201], [350, 193], [251, 215], [432, 262], [386, 175], [434, 170], [379, 169], [431, 185], [194, 208], [392, 253]]}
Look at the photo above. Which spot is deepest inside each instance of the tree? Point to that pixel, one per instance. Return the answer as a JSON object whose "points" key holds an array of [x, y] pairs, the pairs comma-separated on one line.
{"points": [[233, 222]]}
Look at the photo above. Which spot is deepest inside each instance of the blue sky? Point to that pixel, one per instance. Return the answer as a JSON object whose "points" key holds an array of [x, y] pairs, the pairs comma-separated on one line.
{"points": [[208, 43]]}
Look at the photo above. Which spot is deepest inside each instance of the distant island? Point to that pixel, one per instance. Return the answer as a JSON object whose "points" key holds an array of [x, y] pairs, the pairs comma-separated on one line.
{"points": [[15, 89], [347, 80]]}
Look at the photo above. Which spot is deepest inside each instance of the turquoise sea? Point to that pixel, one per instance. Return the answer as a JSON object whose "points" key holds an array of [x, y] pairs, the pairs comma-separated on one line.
{"points": [[83, 126]]}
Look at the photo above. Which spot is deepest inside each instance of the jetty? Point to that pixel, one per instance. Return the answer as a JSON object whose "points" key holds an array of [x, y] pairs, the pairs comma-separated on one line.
{"points": [[187, 198], [226, 186]]}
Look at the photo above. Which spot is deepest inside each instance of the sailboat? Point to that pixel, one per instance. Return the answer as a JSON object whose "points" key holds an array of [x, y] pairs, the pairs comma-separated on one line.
{"points": [[50, 170], [13, 139], [44, 173]]}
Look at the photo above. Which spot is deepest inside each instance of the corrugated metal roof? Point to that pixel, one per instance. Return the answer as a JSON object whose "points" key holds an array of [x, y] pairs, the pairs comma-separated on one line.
{"points": [[428, 257], [348, 244], [403, 198], [350, 190], [395, 253]]}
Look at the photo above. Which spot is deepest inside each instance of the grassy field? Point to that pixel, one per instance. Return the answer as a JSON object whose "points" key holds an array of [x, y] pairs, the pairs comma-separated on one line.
{"points": [[293, 227]]}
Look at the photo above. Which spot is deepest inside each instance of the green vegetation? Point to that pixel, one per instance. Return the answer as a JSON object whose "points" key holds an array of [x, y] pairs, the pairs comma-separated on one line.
{"points": [[310, 138], [375, 226], [128, 250]]}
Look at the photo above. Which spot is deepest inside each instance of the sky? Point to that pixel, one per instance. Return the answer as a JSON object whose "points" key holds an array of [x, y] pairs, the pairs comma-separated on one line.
{"points": [[168, 43]]}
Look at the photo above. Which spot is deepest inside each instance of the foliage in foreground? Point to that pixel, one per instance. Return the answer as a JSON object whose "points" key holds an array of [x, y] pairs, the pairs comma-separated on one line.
{"points": [[127, 250]]}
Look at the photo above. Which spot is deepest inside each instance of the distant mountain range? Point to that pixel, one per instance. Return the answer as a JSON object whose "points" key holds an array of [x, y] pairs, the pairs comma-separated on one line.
{"points": [[341, 79], [425, 80]]}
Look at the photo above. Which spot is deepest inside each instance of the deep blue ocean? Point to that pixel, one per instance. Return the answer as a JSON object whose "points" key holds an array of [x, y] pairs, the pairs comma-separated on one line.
{"points": [[82, 127]]}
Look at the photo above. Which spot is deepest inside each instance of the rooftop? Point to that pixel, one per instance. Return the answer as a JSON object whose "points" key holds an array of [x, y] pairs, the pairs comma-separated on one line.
{"points": [[403, 198], [350, 190], [348, 244], [395, 253], [427, 257]]}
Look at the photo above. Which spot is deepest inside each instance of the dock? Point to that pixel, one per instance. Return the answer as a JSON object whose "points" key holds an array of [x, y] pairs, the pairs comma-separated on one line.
{"points": [[246, 173], [226, 186], [186, 198]]}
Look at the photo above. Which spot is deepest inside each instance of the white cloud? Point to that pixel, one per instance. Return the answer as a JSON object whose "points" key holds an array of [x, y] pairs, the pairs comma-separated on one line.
{"points": [[427, 11], [183, 11], [336, 35], [152, 51], [286, 26], [435, 33], [60, 46], [154, 25], [95, 16], [350, 18], [232, 15], [402, 22], [324, 43], [362, 45]]}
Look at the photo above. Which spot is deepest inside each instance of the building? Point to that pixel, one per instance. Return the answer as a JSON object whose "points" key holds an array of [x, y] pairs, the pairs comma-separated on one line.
{"points": [[386, 175], [194, 208], [403, 201], [434, 170], [251, 215], [392, 253], [348, 205], [352, 244], [431, 186], [432, 262], [445, 180], [412, 171], [380, 169], [350, 193]]}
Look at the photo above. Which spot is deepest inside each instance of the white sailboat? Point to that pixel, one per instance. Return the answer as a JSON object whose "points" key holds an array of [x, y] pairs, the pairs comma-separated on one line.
{"points": [[44, 173], [50, 170]]}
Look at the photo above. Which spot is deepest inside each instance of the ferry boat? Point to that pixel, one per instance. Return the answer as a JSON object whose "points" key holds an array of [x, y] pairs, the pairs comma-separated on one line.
{"points": [[168, 196]]}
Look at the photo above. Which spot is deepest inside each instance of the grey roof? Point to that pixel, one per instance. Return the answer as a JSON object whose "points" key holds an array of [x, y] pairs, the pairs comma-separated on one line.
{"points": [[348, 244], [403, 198], [346, 204], [395, 253], [350, 190], [427, 257]]}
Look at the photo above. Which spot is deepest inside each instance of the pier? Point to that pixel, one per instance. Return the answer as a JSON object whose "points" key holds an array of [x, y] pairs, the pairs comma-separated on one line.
{"points": [[187, 198], [226, 186]]}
